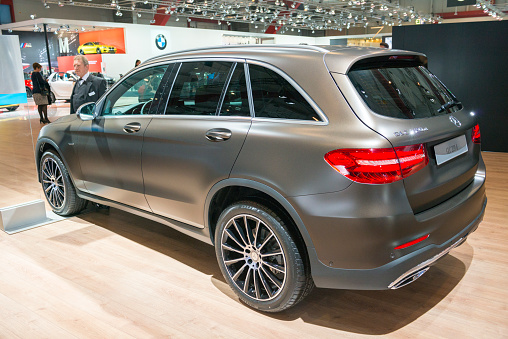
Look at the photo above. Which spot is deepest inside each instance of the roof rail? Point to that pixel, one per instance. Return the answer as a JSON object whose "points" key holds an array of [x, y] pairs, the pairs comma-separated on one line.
{"points": [[212, 48]]}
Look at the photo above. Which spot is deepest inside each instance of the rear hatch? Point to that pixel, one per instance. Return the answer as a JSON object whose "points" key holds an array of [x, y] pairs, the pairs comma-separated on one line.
{"points": [[396, 96]]}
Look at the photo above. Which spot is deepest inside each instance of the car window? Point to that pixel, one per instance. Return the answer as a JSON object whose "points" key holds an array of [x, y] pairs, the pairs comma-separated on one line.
{"points": [[88, 44], [135, 94], [402, 92], [275, 97], [236, 101], [198, 87]]}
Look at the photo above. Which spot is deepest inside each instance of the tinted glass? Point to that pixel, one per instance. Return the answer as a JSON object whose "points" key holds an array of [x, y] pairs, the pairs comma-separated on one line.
{"points": [[405, 93], [198, 87], [274, 97], [136, 94], [236, 101]]}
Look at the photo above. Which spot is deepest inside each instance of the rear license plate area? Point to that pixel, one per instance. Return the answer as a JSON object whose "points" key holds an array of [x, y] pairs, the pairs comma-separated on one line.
{"points": [[450, 149]]}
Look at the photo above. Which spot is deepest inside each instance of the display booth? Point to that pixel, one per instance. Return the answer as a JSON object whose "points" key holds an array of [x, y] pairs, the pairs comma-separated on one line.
{"points": [[24, 208]]}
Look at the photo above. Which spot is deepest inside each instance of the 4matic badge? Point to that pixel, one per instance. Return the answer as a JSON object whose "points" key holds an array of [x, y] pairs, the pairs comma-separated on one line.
{"points": [[411, 131], [160, 41]]}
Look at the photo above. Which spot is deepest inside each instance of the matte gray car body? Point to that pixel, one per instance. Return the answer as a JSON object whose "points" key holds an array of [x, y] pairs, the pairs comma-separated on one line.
{"points": [[171, 173]]}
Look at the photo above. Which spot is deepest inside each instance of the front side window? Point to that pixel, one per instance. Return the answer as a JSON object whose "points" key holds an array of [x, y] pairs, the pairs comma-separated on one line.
{"points": [[136, 94], [275, 97], [198, 88], [403, 92]]}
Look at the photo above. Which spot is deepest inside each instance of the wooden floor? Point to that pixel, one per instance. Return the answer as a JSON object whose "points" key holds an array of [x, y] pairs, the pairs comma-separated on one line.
{"points": [[115, 275]]}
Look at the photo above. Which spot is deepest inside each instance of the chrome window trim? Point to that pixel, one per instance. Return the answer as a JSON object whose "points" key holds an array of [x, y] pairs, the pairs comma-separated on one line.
{"points": [[199, 117], [300, 90]]}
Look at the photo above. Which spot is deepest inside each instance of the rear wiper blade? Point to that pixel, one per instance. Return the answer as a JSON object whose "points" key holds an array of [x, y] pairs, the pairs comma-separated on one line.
{"points": [[449, 104]]}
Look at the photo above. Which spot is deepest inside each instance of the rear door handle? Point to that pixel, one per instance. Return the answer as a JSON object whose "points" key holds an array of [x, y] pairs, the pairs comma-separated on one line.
{"points": [[218, 134], [132, 127]]}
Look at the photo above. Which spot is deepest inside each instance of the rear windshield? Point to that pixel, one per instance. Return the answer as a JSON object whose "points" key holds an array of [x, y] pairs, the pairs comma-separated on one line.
{"points": [[403, 92]]}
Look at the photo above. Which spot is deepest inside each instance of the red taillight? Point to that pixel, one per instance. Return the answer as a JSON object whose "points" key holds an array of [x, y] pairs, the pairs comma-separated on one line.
{"points": [[475, 135], [412, 242], [378, 165]]}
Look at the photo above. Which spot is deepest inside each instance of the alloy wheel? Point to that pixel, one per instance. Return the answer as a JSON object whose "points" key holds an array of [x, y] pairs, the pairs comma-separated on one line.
{"points": [[53, 183], [253, 257]]}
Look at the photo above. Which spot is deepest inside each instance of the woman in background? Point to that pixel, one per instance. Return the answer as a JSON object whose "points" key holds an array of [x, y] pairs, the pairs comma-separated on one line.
{"points": [[40, 93]]}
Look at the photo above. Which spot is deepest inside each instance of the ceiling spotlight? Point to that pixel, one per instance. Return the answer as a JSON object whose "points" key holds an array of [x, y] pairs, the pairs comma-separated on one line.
{"points": [[177, 19], [139, 15], [33, 16], [83, 29], [56, 32], [152, 21], [118, 13], [60, 4], [46, 5], [9, 30]]}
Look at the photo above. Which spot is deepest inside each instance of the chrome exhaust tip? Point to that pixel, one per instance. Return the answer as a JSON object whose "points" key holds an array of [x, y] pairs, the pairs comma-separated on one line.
{"points": [[409, 278]]}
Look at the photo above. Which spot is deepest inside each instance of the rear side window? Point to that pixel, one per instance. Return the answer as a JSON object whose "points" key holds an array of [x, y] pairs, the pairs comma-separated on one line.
{"points": [[236, 100], [198, 88], [403, 92], [275, 97]]}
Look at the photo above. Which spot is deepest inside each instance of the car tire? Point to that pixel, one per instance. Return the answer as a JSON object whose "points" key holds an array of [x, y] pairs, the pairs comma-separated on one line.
{"points": [[58, 187], [52, 96], [81, 51], [29, 93], [259, 258], [98, 51]]}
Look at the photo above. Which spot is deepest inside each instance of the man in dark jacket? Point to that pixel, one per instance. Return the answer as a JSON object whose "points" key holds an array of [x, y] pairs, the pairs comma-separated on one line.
{"points": [[88, 88]]}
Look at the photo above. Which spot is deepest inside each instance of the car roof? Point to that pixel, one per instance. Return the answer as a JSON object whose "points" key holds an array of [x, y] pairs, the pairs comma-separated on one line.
{"points": [[338, 58]]}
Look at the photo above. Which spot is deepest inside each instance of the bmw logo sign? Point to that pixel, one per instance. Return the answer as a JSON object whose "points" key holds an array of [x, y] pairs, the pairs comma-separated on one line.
{"points": [[160, 41]]}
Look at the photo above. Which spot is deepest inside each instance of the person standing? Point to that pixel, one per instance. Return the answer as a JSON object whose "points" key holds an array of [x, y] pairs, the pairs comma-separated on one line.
{"points": [[384, 45], [137, 63], [88, 88], [40, 93]]}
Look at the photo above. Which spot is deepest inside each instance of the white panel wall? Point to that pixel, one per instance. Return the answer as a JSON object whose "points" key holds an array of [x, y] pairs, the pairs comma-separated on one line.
{"points": [[140, 43]]}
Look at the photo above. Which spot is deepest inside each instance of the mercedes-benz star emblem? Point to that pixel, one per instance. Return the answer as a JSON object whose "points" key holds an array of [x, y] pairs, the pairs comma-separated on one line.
{"points": [[455, 121], [160, 41]]}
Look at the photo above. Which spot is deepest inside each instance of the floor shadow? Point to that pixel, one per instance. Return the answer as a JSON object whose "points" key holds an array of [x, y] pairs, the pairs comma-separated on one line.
{"points": [[363, 312]]}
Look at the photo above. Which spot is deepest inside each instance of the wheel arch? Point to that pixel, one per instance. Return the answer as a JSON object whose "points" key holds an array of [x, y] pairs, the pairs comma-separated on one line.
{"points": [[229, 191], [44, 145]]}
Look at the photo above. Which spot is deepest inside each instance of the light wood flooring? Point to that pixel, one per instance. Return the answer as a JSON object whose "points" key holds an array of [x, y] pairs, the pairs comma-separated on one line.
{"points": [[115, 275]]}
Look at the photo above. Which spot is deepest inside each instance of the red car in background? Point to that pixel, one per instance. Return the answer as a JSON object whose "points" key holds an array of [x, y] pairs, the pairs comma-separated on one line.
{"points": [[28, 85]]}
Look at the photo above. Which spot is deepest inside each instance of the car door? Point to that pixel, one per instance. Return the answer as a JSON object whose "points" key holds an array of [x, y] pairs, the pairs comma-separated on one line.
{"points": [[109, 147], [195, 144]]}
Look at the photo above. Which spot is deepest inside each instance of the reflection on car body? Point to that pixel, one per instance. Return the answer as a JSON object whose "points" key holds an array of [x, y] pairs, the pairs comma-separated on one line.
{"points": [[285, 159]]}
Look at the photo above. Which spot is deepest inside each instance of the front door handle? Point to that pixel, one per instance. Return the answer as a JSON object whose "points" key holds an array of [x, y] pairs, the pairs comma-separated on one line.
{"points": [[132, 127], [218, 134]]}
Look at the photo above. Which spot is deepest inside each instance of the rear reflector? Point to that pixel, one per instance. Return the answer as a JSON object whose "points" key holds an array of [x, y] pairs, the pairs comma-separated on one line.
{"points": [[475, 135], [378, 165], [412, 242]]}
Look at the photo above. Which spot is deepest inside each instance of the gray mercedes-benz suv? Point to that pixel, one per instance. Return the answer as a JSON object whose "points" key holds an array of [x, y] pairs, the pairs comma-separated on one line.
{"points": [[341, 167]]}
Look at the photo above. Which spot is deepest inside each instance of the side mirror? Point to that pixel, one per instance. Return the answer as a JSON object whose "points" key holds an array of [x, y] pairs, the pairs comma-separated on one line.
{"points": [[87, 111]]}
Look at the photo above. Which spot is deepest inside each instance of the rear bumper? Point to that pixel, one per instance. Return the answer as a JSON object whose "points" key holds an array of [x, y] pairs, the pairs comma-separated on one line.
{"points": [[393, 274], [355, 232]]}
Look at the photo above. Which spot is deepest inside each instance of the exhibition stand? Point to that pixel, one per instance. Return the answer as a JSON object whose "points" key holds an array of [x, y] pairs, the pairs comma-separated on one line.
{"points": [[24, 208]]}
